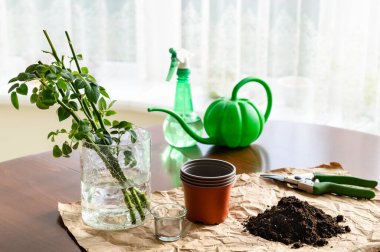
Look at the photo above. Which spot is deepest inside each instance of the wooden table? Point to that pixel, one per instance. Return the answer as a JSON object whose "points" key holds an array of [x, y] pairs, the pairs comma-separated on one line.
{"points": [[31, 187]]}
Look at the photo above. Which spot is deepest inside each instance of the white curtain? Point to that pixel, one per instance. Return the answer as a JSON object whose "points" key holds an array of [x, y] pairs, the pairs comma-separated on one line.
{"points": [[321, 57]]}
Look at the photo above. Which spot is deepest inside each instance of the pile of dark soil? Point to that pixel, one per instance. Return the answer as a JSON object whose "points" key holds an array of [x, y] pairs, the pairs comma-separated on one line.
{"points": [[295, 222]]}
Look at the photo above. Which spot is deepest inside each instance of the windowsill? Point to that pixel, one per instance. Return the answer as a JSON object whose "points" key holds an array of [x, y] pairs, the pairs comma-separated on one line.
{"points": [[139, 95]]}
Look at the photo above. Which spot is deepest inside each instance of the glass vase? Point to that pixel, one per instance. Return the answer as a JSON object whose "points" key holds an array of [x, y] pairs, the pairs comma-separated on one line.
{"points": [[115, 182]]}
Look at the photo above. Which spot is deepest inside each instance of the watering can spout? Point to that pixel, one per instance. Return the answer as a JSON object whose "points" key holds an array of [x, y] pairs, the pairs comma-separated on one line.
{"points": [[185, 126]]}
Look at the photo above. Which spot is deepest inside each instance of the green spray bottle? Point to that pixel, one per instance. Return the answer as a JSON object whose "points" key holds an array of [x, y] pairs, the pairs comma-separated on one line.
{"points": [[183, 104]]}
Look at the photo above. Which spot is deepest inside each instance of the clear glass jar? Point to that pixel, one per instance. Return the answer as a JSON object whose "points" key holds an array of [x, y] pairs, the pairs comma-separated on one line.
{"points": [[115, 182]]}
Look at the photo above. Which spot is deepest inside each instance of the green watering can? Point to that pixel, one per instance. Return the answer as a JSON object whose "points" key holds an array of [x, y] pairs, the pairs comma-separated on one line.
{"points": [[234, 122]]}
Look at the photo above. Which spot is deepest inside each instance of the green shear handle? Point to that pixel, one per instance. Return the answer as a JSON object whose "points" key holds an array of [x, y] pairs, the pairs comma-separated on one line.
{"points": [[329, 187], [347, 180]]}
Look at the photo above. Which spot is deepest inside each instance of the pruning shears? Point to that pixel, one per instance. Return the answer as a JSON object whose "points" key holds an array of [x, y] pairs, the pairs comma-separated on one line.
{"points": [[319, 183]]}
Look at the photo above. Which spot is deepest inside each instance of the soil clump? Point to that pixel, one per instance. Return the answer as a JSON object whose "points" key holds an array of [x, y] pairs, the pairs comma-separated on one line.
{"points": [[295, 222]]}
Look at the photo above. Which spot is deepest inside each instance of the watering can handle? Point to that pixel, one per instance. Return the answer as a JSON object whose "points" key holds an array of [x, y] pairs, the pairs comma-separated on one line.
{"points": [[267, 90]]}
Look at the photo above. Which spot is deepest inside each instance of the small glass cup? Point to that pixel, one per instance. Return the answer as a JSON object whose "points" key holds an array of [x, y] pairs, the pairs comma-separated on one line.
{"points": [[168, 221]]}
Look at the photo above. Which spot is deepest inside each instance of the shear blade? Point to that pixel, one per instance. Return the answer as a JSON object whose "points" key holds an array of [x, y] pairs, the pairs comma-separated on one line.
{"points": [[273, 177]]}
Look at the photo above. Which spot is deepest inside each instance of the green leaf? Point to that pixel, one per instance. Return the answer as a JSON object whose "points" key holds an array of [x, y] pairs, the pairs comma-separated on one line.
{"points": [[31, 68], [41, 105], [41, 66], [103, 91], [128, 153], [51, 76], [73, 105], [57, 151], [107, 122], [116, 140], [25, 77], [92, 92], [110, 113], [81, 134], [129, 159], [75, 146], [31, 76], [74, 126], [99, 137], [84, 126], [99, 130], [74, 96], [115, 123], [67, 94], [35, 90], [78, 83], [133, 163], [13, 80], [55, 69], [62, 84], [13, 87], [42, 69], [22, 77], [33, 98], [48, 97], [66, 149], [67, 75], [63, 114], [125, 125], [14, 100], [102, 104], [111, 104], [133, 136], [51, 133], [71, 135], [22, 90], [47, 52], [79, 57], [91, 78], [84, 70]]}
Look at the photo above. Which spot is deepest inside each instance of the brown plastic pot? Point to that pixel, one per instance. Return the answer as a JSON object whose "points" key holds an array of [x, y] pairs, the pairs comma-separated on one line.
{"points": [[220, 183], [208, 169], [207, 205], [207, 187]]}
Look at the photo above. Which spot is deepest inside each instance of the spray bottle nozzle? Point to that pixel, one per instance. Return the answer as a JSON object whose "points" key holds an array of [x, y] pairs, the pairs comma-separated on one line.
{"points": [[173, 52], [179, 58]]}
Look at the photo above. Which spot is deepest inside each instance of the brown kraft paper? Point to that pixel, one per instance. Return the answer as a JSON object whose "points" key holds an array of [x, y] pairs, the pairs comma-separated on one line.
{"points": [[250, 196]]}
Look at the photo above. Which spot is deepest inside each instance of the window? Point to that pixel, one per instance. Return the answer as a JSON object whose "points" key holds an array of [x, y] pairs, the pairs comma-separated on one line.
{"points": [[321, 58]]}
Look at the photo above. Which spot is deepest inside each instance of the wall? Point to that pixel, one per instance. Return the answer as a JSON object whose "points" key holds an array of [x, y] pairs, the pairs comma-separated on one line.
{"points": [[24, 132]]}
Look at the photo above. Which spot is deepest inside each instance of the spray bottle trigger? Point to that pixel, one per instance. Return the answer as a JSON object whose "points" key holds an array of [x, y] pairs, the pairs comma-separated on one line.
{"points": [[173, 67]]}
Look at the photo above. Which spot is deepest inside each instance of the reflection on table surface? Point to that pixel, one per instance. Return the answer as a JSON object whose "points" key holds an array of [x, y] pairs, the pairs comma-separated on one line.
{"points": [[282, 144], [248, 159], [173, 158]]}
